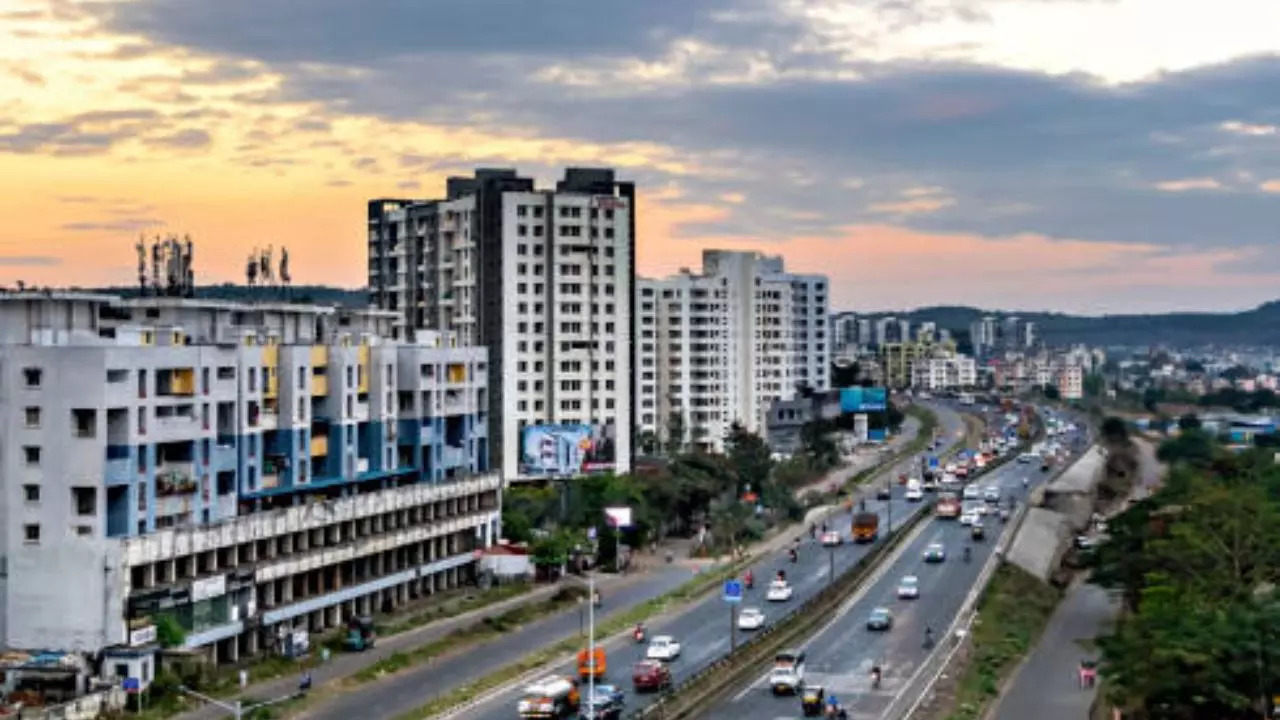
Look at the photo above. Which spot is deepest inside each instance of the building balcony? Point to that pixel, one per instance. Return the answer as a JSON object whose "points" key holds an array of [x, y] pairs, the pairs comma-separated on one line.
{"points": [[175, 479]]}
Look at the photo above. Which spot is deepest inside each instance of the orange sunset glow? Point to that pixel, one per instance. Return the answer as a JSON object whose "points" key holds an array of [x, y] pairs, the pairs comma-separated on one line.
{"points": [[113, 129]]}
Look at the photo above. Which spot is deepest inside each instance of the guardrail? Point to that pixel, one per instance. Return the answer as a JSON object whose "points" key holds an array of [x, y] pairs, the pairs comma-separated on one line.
{"points": [[691, 698], [937, 663], [463, 706]]}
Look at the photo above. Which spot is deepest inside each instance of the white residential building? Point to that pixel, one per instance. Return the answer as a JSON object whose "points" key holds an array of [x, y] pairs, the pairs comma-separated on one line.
{"points": [[944, 372], [721, 346], [1071, 382], [252, 471], [545, 280]]}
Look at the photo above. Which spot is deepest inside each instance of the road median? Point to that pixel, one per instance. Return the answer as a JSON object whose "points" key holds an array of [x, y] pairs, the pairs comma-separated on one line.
{"points": [[456, 702]]}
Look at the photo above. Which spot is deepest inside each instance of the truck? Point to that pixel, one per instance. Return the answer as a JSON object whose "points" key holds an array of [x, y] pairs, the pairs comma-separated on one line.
{"points": [[866, 525], [948, 506], [592, 662], [551, 698]]}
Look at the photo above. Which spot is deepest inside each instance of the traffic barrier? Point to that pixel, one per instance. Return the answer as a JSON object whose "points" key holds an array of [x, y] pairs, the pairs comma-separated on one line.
{"points": [[694, 697], [691, 698]]}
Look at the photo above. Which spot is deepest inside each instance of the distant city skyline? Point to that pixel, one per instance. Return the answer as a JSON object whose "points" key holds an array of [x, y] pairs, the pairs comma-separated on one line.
{"points": [[934, 152]]}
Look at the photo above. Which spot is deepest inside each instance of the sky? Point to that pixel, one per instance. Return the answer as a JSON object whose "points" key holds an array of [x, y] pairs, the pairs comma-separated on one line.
{"points": [[1086, 156]]}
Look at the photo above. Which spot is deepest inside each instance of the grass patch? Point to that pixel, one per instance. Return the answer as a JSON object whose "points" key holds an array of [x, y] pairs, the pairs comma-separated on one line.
{"points": [[481, 631], [1014, 610], [466, 601], [696, 587]]}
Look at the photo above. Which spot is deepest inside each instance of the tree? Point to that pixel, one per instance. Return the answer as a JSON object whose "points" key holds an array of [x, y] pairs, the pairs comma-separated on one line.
{"points": [[1095, 385], [1190, 421], [169, 632], [749, 456], [818, 447], [675, 434], [1051, 392], [1115, 431], [648, 443], [844, 375], [1197, 564], [1193, 447]]}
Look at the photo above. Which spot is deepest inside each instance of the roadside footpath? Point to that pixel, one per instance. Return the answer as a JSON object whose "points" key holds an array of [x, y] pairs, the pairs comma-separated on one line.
{"points": [[1046, 686]]}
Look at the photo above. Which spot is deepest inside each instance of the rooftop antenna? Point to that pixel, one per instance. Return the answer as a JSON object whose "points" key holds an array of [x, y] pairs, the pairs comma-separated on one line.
{"points": [[141, 249], [188, 271], [155, 264], [285, 279], [251, 268]]}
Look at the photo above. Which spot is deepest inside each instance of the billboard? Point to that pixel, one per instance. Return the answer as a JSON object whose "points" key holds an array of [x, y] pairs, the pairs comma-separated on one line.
{"points": [[876, 435], [860, 399], [566, 450]]}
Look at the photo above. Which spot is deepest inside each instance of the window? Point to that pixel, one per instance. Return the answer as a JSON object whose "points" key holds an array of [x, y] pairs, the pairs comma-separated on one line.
{"points": [[117, 376], [31, 493], [85, 499], [33, 417], [31, 534], [31, 454], [32, 376], [84, 422]]}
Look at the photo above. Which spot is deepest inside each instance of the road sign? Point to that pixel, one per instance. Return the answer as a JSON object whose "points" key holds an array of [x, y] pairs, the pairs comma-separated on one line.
{"points": [[732, 591], [132, 685]]}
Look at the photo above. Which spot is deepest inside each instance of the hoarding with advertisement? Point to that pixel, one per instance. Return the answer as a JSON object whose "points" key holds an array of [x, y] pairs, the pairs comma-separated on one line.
{"points": [[565, 450], [860, 399]]}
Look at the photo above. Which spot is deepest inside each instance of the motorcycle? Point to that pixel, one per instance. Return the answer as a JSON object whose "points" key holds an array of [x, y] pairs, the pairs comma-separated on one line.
{"points": [[750, 581], [595, 600], [638, 634], [792, 555], [875, 678]]}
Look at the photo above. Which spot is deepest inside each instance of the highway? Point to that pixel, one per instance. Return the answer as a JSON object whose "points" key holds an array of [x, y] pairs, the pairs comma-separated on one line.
{"points": [[842, 654], [703, 628], [410, 689]]}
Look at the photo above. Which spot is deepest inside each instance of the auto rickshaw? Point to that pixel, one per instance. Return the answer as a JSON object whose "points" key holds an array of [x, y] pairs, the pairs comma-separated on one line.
{"points": [[360, 633], [978, 532], [813, 700]]}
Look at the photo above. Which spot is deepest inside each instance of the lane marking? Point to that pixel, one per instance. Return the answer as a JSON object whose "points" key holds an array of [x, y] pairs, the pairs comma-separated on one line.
{"points": [[881, 569]]}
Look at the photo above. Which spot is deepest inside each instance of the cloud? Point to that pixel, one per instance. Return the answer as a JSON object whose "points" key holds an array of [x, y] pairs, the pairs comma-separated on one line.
{"points": [[29, 261], [1189, 184], [117, 226], [741, 88], [189, 139], [1270, 186], [87, 133], [312, 125], [409, 185]]}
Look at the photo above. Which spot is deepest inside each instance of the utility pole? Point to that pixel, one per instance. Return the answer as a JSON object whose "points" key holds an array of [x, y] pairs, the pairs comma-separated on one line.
{"points": [[831, 564], [591, 642]]}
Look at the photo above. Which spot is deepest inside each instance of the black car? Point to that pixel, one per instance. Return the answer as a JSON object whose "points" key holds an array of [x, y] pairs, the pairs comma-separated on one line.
{"points": [[606, 707], [883, 493]]}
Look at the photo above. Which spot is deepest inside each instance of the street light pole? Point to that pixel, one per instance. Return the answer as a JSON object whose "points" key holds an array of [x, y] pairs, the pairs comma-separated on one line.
{"points": [[831, 564], [591, 641]]}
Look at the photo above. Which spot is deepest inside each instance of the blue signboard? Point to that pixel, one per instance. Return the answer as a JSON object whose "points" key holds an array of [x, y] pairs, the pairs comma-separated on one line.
{"points": [[860, 399], [876, 434], [732, 591], [132, 685], [933, 462]]}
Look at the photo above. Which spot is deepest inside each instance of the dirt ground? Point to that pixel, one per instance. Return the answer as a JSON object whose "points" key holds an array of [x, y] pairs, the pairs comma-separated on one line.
{"points": [[941, 700]]}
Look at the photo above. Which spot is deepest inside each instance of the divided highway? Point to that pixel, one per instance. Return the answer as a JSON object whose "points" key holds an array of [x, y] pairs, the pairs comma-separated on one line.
{"points": [[703, 629], [841, 656]]}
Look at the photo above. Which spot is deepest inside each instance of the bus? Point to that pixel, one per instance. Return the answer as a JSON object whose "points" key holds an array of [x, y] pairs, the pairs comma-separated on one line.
{"points": [[948, 506]]}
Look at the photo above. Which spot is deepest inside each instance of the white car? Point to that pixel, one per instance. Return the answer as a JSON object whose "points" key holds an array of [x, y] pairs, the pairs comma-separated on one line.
{"points": [[831, 538], [914, 494], [909, 588], [750, 619], [991, 494], [663, 647], [779, 591], [968, 517], [971, 492]]}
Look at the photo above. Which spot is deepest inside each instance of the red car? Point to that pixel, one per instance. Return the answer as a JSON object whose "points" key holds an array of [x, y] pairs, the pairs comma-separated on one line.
{"points": [[650, 675]]}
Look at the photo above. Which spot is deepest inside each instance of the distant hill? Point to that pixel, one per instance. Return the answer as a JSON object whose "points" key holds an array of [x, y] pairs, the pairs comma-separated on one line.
{"points": [[318, 294], [1251, 328]]}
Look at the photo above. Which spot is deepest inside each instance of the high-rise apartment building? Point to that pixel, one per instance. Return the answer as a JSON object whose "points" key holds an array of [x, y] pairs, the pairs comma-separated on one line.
{"points": [[719, 347], [544, 279], [254, 471]]}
